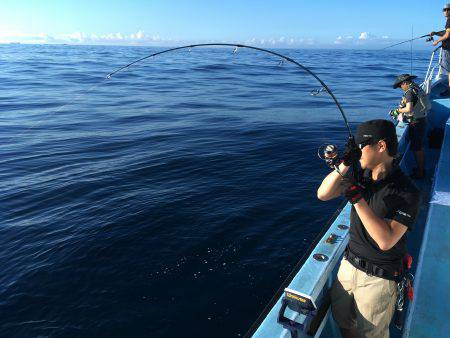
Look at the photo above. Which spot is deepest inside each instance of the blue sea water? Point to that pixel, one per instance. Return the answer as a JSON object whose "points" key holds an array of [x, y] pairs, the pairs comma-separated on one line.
{"points": [[174, 198]]}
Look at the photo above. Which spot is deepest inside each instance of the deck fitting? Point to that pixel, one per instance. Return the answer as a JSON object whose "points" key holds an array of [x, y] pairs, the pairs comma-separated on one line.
{"points": [[320, 257]]}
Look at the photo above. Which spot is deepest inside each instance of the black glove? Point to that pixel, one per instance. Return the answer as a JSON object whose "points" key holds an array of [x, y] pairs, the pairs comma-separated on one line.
{"points": [[352, 190], [352, 153]]}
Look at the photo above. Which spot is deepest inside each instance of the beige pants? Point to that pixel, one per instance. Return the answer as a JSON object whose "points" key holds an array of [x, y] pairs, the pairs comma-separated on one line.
{"points": [[364, 301]]}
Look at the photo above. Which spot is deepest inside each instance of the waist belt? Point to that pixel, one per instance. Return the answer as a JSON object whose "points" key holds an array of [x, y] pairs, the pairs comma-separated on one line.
{"points": [[372, 269]]}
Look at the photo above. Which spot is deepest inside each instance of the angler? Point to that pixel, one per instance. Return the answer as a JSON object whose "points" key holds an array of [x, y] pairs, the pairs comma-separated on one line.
{"points": [[385, 204], [444, 38], [413, 109]]}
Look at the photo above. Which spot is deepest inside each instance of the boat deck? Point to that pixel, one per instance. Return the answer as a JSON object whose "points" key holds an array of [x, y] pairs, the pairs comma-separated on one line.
{"points": [[429, 312]]}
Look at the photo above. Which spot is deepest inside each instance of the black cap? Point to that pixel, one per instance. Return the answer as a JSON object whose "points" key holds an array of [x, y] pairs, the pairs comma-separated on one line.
{"points": [[376, 130], [402, 78]]}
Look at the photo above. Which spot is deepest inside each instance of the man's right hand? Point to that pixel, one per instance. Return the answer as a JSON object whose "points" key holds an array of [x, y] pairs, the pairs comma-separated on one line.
{"points": [[352, 153], [352, 190]]}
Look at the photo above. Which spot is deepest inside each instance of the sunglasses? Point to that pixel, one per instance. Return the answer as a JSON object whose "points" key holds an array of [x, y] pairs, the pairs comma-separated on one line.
{"points": [[446, 9], [366, 143]]}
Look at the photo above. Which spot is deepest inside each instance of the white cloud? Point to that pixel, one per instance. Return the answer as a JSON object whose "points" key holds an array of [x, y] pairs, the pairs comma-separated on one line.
{"points": [[75, 37], [363, 39], [366, 36], [363, 36], [137, 36], [340, 40], [84, 38], [281, 42]]}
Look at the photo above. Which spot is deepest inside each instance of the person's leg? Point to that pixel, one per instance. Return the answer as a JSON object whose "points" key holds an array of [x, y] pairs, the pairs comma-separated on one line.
{"points": [[418, 131], [445, 64], [375, 304], [420, 160], [342, 302]]}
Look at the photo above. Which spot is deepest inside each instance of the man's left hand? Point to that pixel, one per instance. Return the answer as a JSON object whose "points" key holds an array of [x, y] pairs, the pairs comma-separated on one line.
{"points": [[352, 153]]}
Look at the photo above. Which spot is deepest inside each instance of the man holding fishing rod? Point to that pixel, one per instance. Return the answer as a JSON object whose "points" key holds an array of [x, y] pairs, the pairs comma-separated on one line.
{"points": [[385, 203], [444, 39]]}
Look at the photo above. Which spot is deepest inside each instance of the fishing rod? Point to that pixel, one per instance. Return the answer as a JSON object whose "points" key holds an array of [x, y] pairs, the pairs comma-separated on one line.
{"points": [[351, 139], [283, 57], [430, 38]]}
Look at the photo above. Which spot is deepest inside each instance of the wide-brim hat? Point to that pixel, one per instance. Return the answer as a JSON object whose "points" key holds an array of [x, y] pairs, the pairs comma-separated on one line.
{"points": [[447, 6], [402, 78]]}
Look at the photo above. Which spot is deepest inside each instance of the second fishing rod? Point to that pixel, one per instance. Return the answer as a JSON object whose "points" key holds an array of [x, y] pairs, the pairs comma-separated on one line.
{"points": [[428, 36]]}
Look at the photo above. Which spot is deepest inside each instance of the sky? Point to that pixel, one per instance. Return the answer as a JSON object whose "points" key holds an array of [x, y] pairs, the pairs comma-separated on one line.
{"points": [[282, 24]]}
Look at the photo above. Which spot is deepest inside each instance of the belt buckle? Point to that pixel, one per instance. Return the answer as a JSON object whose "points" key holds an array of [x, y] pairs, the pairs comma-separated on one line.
{"points": [[363, 265]]}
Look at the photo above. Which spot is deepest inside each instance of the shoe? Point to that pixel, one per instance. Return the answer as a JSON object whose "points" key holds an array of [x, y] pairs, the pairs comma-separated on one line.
{"points": [[445, 93]]}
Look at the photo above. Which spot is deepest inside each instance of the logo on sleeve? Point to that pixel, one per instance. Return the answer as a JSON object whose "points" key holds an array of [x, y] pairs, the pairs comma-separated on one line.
{"points": [[403, 213]]}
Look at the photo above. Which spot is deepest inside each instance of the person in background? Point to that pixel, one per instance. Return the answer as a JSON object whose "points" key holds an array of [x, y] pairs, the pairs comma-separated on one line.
{"points": [[413, 109], [384, 207], [444, 38]]}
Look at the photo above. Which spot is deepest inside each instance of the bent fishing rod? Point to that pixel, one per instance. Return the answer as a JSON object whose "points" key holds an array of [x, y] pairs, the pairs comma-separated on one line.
{"points": [[351, 138], [283, 57], [430, 38]]}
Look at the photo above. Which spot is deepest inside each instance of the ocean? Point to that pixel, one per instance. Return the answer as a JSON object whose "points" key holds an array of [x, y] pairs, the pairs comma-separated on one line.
{"points": [[174, 198]]}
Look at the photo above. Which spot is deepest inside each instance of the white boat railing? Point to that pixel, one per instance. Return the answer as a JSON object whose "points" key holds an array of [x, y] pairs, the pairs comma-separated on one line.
{"points": [[428, 81]]}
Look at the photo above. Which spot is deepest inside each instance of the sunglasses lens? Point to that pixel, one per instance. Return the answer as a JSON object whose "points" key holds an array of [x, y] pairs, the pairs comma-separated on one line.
{"points": [[364, 143]]}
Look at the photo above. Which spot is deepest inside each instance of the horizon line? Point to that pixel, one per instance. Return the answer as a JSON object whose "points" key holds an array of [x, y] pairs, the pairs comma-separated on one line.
{"points": [[319, 47]]}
